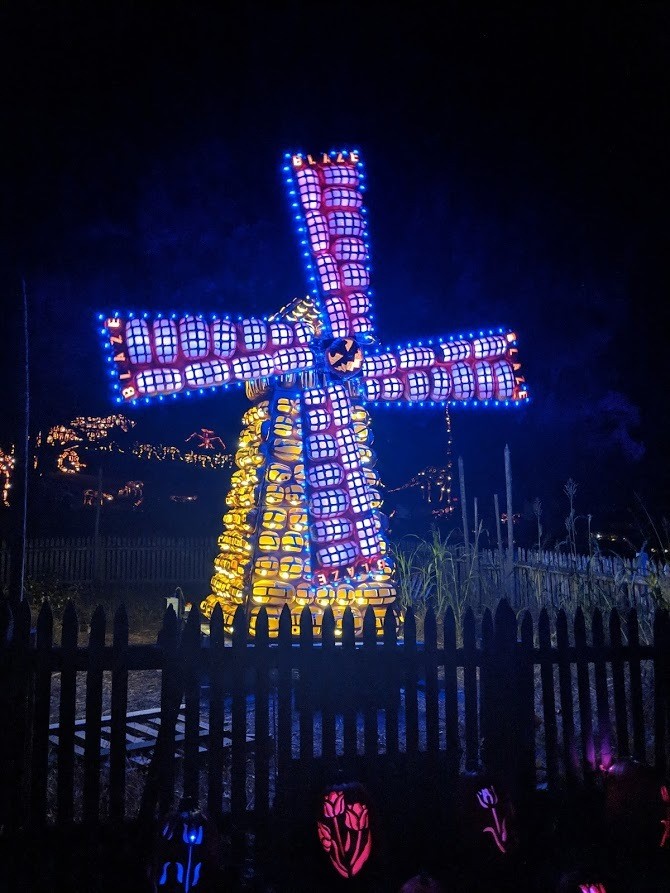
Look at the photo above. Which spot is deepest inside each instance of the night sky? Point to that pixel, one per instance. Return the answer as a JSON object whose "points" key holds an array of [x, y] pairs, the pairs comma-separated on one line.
{"points": [[516, 162]]}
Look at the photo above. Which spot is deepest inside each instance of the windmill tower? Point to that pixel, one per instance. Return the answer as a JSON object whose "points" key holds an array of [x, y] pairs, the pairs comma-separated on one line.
{"points": [[304, 524]]}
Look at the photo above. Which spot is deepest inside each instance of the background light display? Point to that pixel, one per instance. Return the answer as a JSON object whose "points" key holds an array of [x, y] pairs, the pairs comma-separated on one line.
{"points": [[304, 524]]}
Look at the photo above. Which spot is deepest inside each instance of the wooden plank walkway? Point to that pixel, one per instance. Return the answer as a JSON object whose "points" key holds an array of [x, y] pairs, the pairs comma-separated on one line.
{"points": [[141, 733]]}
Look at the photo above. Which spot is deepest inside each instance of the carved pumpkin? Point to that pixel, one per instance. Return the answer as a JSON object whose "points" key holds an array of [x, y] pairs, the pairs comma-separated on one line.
{"points": [[185, 851], [581, 882], [344, 827], [637, 805], [344, 357], [422, 883], [486, 816]]}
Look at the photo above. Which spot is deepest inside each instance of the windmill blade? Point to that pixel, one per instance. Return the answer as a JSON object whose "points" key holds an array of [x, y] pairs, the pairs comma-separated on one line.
{"points": [[155, 356], [447, 370], [327, 201]]}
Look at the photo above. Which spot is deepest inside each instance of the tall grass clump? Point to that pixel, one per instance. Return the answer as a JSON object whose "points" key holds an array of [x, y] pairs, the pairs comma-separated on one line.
{"points": [[436, 573]]}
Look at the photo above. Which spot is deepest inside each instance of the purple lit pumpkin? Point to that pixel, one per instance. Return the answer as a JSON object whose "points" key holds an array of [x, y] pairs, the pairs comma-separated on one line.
{"points": [[637, 805], [581, 882], [486, 817], [344, 827], [422, 883]]}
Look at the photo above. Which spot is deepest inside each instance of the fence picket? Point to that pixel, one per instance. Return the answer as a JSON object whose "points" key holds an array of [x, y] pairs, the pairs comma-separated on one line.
{"points": [[171, 695], [119, 709], [470, 692], [348, 688], [191, 682], [306, 717], [602, 699], [94, 676], [546, 660], [584, 695], [216, 715], [661, 694], [411, 706], [502, 735], [40, 750], [16, 662], [636, 698], [284, 700], [391, 672], [453, 741], [66, 716], [618, 686], [329, 689], [527, 751], [262, 725], [370, 691], [487, 673], [570, 760], [432, 712], [238, 720]]}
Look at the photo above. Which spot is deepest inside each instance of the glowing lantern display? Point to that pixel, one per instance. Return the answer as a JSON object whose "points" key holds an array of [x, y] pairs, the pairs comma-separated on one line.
{"points": [[637, 806], [422, 883], [582, 880], [185, 850], [305, 447], [344, 828], [487, 817], [665, 821]]}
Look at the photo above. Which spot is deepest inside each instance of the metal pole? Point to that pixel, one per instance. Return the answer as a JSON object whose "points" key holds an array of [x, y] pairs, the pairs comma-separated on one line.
{"points": [[510, 526], [464, 507], [476, 547], [17, 567], [496, 508]]}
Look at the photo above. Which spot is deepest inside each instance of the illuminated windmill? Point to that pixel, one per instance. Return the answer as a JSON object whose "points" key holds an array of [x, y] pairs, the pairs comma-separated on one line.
{"points": [[304, 524]]}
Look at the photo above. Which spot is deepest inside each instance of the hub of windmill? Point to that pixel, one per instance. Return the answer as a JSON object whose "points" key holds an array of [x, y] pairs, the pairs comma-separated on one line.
{"points": [[344, 358]]}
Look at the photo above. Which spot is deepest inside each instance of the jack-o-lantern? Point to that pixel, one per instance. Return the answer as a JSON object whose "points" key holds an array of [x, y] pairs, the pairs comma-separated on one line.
{"points": [[637, 805], [344, 358], [422, 883], [486, 817], [186, 850], [665, 821], [344, 827], [582, 881]]}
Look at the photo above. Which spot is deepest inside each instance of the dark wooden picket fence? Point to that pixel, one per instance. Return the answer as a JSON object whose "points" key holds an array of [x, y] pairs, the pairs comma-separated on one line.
{"points": [[547, 704]]}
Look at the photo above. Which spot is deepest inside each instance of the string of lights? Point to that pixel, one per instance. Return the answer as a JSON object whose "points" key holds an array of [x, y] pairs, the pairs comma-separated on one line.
{"points": [[7, 464], [435, 482], [161, 453]]}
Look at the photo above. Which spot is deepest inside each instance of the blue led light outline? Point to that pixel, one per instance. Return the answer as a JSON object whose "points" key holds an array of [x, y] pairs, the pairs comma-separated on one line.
{"points": [[112, 371], [299, 218]]}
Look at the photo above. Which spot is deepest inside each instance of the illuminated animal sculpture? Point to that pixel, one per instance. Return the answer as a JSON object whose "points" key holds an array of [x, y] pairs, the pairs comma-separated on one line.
{"points": [[304, 524]]}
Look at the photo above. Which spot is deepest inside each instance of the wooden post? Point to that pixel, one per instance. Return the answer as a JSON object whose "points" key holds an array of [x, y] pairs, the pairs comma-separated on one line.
{"points": [[464, 507], [476, 556], [496, 508], [96, 531], [19, 508], [510, 528], [470, 706]]}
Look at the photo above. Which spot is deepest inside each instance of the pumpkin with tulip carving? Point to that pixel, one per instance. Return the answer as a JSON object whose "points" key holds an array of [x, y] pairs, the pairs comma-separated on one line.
{"points": [[486, 816], [186, 850], [637, 805], [344, 828]]}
